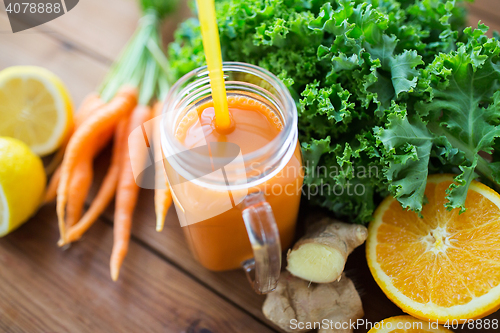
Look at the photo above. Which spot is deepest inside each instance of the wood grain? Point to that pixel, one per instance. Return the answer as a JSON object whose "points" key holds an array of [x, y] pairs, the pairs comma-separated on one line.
{"points": [[488, 11], [52, 54], [46, 289], [479, 11], [102, 27], [82, 73], [162, 287], [171, 245]]}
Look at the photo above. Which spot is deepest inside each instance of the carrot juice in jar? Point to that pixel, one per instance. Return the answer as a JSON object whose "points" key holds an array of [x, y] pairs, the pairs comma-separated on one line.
{"points": [[236, 191]]}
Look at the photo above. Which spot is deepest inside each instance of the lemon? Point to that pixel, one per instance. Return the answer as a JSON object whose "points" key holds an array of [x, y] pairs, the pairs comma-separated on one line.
{"points": [[35, 107], [22, 183]]}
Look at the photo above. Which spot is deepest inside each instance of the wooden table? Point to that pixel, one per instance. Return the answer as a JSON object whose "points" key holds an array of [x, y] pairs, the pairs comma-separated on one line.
{"points": [[161, 287]]}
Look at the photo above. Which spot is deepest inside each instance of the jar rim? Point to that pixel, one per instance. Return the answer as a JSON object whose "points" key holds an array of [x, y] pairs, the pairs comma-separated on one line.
{"points": [[278, 146]]}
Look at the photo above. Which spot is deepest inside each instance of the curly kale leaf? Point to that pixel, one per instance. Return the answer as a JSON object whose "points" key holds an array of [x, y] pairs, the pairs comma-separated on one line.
{"points": [[406, 148], [464, 107], [369, 78]]}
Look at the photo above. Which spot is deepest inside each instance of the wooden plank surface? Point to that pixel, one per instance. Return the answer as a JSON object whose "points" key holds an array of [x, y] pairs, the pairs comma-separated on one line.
{"points": [[486, 11], [170, 243], [172, 246], [45, 289], [79, 72], [158, 263], [82, 71], [102, 27]]}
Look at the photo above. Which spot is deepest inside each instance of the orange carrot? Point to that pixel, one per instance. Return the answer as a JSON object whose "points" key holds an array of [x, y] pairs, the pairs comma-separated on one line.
{"points": [[54, 163], [127, 191], [98, 123], [79, 186], [108, 186], [163, 197], [90, 103], [51, 192], [82, 179]]}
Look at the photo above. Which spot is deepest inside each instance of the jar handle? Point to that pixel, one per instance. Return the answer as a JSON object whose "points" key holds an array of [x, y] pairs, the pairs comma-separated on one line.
{"points": [[264, 269]]}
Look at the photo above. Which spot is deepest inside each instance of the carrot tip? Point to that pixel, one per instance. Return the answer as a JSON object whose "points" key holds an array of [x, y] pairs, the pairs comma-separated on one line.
{"points": [[115, 272], [63, 244], [160, 222], [48, 197]]}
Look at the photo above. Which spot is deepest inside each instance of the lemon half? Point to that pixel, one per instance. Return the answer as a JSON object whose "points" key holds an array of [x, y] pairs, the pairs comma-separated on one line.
{"points": [[22, 183], [35, 107]]}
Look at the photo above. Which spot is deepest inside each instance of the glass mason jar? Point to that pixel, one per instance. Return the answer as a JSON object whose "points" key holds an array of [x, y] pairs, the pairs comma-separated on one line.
{"points": [[237, 209]]}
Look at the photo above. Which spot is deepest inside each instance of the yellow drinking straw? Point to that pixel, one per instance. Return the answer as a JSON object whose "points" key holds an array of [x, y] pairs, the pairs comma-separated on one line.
{"points": [[211, 44]]}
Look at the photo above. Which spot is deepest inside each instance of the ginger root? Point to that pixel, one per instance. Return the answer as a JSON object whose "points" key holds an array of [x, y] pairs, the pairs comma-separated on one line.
{"points": [[320, 255], [298, 306]]}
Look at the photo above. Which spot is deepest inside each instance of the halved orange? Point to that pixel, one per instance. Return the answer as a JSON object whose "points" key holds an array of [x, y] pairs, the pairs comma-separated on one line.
{"points": [[407, 324], [445, 265]]}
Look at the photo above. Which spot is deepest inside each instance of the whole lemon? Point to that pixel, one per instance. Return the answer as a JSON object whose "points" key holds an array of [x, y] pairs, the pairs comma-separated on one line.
{"points": [[22, 183]]}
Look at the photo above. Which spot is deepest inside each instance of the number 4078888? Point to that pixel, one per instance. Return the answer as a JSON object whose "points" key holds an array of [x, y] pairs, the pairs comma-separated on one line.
{"points": [[484, 324], [33, 7]]}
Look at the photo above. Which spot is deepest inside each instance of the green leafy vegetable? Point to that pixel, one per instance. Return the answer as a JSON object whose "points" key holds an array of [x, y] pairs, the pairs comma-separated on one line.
{"points": [[407, 148], [387, 92], [142, 64], [464, 107], [161, 7]]}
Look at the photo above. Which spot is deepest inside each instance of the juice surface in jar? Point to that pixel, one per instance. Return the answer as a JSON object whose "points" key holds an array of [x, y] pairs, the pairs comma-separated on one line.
{"points": [[221, 242]]}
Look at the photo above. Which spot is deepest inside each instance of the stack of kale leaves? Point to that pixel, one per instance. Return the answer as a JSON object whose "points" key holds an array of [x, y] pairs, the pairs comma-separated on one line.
{"points": [[387, 91]]}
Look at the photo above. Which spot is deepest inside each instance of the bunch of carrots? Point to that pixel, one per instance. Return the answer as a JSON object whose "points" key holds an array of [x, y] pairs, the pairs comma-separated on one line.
{"points": [[137, 79]]}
